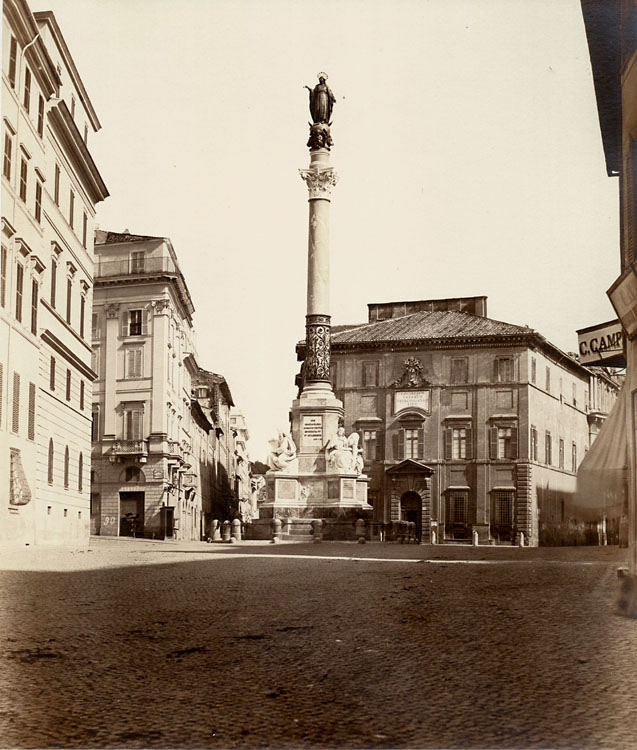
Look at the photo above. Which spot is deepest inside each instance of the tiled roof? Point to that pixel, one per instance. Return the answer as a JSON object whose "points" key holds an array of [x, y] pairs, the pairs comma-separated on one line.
{"points": [[113, 237], [447, 324]]}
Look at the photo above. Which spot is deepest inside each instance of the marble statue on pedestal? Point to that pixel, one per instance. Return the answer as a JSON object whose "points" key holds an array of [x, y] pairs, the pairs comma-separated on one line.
{"points": [[343, 454], [282, 453]]}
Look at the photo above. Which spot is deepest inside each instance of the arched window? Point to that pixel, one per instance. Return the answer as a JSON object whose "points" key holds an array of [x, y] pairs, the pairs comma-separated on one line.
{"points": [[66, 467], [51, 456], [80, 469]]}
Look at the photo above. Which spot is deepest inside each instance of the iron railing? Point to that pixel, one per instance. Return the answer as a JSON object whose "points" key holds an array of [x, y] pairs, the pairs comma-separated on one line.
{"points": [[135, 266]]}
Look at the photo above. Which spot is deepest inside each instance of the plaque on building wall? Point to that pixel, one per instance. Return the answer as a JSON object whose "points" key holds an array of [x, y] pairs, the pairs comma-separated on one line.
{"points": [[312, 431], [420, 399]]}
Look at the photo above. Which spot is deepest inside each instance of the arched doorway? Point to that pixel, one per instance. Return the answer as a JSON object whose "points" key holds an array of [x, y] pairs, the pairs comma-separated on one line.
{"points": [[411, 510]]}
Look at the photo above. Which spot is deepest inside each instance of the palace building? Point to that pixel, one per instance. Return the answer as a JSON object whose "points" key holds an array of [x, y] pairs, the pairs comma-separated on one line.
{"points": [[467, 424]]}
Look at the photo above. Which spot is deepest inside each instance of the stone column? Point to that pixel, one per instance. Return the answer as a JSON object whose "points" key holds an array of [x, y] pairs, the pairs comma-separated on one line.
{"points": [[320, 178]]}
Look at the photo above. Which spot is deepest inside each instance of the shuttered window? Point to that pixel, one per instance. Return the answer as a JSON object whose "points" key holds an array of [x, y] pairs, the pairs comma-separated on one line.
{"points": [[52, 374], [24, 172], [66, 467], [134, 363], [8, 156], [40, 116], [458, 442], [69, 297], [15, 423], [3, 276], [133, 420], [548, 449], [31, 423], [56, 186], [34, 307], [68, 385], [80, 472], [50, 463], [27, 89], [503, 370], [54, 276], [82, 314], [38, 202], [19, 283], [135, 323], [13, 59], [81, 395], [503, 441]]}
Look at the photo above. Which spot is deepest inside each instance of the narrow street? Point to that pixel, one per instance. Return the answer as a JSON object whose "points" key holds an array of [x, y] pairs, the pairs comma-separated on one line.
{"points": [[141, 644]]}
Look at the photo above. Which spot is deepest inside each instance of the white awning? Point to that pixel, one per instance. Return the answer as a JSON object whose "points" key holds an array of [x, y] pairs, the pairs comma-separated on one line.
{"points": [[602, 478]]}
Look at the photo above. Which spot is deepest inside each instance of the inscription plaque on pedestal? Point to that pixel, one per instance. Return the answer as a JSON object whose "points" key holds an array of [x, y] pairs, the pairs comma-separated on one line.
{"points": [[312, 431]]}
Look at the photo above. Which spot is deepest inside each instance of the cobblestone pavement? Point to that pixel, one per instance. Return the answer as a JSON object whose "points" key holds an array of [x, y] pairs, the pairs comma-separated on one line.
{"points": [[141, 644]]}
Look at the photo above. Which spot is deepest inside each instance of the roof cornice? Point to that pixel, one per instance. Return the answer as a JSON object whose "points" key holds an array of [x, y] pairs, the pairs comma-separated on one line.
{"points": [[47, 17], [66, 130]]}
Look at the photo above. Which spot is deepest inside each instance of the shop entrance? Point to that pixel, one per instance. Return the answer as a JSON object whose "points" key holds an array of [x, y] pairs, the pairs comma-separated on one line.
{"points": [[131, 514]]}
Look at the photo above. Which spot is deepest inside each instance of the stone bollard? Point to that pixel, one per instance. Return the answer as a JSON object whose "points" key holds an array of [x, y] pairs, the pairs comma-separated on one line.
{"points": [[476, 539], [225, 533], [521, 540], [412, 532], [433, 536], [275, 526], [317, 530], [215, 531], [236, 530], [359, 530]]}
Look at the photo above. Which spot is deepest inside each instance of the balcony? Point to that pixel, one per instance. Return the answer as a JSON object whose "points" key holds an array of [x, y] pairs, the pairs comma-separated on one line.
{"points": [[130, 448], [135, 267]]}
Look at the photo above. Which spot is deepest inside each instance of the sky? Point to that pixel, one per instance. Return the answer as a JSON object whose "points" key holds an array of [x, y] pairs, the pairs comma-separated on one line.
{"points": [[466, 143]]}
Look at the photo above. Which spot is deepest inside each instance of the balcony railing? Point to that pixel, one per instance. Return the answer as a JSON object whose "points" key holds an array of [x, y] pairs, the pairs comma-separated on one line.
{"points": [[135, 266], [128, 447]]}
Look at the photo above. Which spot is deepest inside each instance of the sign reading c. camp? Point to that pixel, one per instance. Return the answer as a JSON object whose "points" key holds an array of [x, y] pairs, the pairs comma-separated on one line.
{"points": [[602, 344]]}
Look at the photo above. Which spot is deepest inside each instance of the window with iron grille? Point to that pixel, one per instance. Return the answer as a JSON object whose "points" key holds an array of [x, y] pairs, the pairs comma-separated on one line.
{"points": [[15, 423], [503, 508], [31, 416], [458, 507]]}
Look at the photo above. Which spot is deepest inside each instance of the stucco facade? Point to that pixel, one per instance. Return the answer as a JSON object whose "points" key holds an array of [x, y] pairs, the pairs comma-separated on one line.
{"points": [[467, 424], [149, 438], [50, 187]]}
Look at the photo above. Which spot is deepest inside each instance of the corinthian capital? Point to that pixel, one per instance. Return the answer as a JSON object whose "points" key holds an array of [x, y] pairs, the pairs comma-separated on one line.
{"points": [[319, 181]]}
